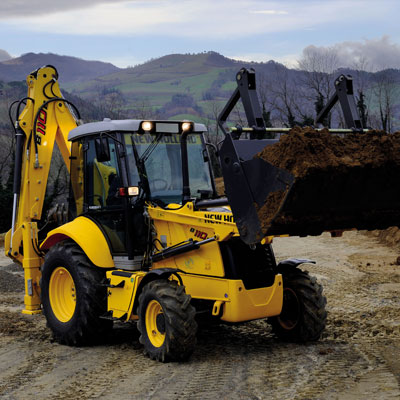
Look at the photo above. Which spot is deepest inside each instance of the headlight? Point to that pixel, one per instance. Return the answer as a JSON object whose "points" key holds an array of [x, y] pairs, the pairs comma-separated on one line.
{"points": [[187, 126], [147, 126], [133, 191]]}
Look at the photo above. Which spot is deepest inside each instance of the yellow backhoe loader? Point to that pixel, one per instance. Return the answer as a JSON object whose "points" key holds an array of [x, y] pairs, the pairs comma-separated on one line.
{"points": [[146, 237]]}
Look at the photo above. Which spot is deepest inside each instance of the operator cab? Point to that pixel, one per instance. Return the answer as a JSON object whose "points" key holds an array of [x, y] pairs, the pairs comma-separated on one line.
{"points": [[157, 149], [119, 165]]}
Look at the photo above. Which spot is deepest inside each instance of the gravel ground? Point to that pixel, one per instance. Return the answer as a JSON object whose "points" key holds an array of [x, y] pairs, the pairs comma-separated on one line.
{"points": [[357, 357]]}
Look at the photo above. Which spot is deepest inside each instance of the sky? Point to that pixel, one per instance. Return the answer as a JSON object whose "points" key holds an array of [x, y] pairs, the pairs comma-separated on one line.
{"points": [[130, 32]]}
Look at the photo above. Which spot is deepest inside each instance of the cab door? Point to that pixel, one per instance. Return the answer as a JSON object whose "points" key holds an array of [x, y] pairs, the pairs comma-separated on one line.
{"points": [[103, 202]]}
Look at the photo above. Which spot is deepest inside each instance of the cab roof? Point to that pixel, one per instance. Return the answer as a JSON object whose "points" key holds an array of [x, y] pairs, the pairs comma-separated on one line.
{"points": [[109, 125]]}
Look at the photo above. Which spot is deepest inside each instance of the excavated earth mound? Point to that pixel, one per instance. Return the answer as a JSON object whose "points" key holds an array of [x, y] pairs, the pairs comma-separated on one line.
{"points": [[340, 182], [390, 236]]}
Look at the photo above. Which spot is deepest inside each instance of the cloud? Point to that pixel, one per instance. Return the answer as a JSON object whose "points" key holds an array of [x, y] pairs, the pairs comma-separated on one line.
{"points": [[370, 54], [289, 60], [210, 19], [4, 56], [23, 8], [269, 12]]}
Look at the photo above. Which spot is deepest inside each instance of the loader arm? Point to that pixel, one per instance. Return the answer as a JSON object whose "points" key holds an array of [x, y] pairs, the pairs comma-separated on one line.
{"points": [[246, 91], [309, 181], [344, 94], [45, 120]]}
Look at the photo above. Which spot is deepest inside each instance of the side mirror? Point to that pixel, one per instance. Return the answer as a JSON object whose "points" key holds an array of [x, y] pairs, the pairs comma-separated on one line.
{"points": [[102, 149], [206, 158], [213, 157]]}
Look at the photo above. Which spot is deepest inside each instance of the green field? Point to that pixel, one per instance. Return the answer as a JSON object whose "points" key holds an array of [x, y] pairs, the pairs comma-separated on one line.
{"points": [[157, 81], [207, 80]]}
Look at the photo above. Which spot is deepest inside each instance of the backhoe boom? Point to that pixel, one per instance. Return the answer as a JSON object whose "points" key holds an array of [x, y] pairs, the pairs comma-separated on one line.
{"points": [[45, 119]]}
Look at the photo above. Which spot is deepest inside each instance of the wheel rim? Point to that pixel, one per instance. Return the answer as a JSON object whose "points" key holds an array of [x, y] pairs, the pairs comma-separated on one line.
{"points": [[155, 323], [290, 314], [62, 294]]}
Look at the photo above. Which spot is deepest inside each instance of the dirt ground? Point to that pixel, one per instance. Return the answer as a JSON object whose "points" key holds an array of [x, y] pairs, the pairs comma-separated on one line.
{"points": [[358, 356]]}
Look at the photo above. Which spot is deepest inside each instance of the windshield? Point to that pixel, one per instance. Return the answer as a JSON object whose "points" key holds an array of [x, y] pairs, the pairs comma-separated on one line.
{"points": [[163, 165]]}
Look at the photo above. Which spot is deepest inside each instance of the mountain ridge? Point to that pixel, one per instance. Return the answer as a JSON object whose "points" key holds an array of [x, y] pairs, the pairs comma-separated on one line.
{"points": [[198, 85], [70, 68]]}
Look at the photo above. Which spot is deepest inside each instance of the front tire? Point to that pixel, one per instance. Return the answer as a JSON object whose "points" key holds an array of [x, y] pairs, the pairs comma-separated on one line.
{"points": [[73, 295], [303, 315], [166, 321]]}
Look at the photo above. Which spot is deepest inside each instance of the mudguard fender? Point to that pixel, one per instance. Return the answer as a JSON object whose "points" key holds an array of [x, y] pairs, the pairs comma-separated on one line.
{"points": [[159, 273], [293, 263], [89, 238]]}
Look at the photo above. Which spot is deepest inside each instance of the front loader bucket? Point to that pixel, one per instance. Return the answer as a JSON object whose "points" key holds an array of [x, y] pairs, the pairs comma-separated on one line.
{"points": [[352, 193]]}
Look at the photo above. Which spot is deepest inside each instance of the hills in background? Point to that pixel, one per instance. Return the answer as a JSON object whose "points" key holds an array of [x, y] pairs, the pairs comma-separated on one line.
{"points": [[156, 82], [70, 69], [194, 86]]}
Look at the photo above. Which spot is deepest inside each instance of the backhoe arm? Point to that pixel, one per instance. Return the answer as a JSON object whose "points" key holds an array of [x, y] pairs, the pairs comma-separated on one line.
{"points": [[46, 118]]}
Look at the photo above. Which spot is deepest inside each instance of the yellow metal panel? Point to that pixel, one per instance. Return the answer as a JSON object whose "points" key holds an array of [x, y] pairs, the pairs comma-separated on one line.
{"points": [[88, 236], [138, 278], [247, 305], [120, 299], [239, 304], [176, 225], [207, 288], [220, 223], [31, 264], [206, 260]]}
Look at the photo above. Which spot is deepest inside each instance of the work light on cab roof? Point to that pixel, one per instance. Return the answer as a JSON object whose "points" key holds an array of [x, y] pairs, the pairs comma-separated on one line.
{"points": [[167, 126], [147, 126], [187, 126]]}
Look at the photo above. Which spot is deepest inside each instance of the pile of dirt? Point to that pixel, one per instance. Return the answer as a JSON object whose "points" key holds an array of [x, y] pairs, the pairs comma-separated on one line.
{"points": [[390, 236], [340, 182], [219, 186], [302, 150]]}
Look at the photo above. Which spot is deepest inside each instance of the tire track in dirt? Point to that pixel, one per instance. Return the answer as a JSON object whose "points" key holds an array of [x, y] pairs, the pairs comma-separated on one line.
{"points": [[211, 372], [110, 368], [20, 377], [358, 354]]}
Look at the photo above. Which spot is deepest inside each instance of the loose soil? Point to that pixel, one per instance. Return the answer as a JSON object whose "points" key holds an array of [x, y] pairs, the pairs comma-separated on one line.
{"points": [[219, 186], [340, 182], [390, 236], [358, 356]]}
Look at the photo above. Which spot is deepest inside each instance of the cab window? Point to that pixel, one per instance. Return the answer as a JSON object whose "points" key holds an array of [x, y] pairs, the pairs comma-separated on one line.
{"points": [[103, 179], [163, 166]]}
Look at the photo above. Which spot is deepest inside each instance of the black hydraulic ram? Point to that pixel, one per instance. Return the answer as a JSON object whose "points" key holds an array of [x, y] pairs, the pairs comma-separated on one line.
{"points": [[183, 248], [344, 94], [19, 148]]}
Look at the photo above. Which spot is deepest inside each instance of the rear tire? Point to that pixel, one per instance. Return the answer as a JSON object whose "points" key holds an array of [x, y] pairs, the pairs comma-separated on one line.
{"points": [[166, 321], [303, 315], [73, 296]]}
